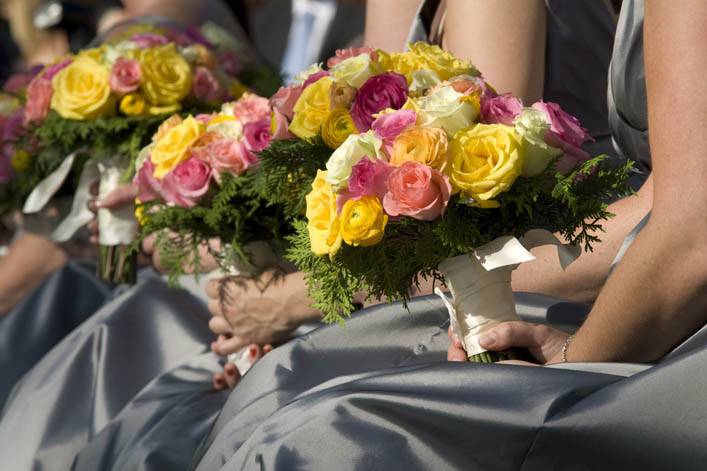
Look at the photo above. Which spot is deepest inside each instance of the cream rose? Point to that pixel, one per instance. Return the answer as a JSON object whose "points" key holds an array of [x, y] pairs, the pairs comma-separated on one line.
{"points": [[444, 108], [354, 148], [531, 125]]}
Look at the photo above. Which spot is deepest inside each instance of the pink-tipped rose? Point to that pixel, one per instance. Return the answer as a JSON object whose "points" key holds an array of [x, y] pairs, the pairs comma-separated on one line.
{"points": [[251, 107], [468, 85], [382, 91], [368, 178], [256, 135], [39, 97], [417, 191], [229, 156], [285, 98], [390, 125], [125, 76], [280, 127], [148, 40], [565, 133], [501, 109], [343, 54], [148, 187], [187, 183], [314, 77], [205, 86], [18, 82]]}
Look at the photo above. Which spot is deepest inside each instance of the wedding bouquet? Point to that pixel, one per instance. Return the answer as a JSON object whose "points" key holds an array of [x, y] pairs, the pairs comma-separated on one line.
{"points": [[196, 183], [88, 115], [435, 175]]}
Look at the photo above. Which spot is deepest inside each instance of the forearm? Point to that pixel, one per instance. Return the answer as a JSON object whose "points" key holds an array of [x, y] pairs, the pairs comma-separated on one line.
{"points": [[504, 39], [388, 23], [583, 279]]}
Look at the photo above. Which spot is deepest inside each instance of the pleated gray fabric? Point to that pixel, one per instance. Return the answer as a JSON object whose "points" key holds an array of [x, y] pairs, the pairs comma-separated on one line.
{"points": [[61, 303], [85, 382]]}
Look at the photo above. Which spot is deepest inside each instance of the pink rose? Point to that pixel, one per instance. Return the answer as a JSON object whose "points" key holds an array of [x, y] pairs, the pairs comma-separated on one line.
{"points": [[187, 183], [418, 191], [382, 91], [566, 133], [389, 126], [251, 107], [285, 98], [54, 69], [501, 109], [148, 187], [230, 63], [368, 177], [205, 86], [125, 76], [39, 97], [18, 82], [343, 54], [256, 135], [148, 40], [229, 156], [280, 127]]}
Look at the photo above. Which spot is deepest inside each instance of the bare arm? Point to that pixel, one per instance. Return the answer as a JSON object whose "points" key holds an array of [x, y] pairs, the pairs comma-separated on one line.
{"points": [[505, 39], [658, 294], [388, 23]]}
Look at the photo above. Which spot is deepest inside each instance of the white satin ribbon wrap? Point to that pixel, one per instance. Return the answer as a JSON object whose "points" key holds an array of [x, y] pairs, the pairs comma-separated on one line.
{"points": [[480, 283], [116, 227]]}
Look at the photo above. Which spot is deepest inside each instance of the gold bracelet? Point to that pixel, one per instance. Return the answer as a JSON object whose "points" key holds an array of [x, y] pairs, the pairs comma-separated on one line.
{"points": [[565, 346]]}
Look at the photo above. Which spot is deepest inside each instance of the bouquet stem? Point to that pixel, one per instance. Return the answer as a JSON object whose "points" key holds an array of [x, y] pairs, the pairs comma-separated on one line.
{"points": [[481, 299], [117, 264]]}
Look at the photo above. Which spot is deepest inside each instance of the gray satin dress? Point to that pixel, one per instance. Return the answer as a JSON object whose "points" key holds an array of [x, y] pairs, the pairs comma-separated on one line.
{"points": [[378, 393]]}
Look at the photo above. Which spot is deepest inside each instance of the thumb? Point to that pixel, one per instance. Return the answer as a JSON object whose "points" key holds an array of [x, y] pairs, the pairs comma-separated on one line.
{"points": [[510, 334], [121, 196]]}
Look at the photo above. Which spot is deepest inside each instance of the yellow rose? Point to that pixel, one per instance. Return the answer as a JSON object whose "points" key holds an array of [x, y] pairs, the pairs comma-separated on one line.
{"points": [[166, 77], [338, 126], [342, 95], [82, 90], [167, 124], [484, 161], [322, 218], [437, 59], [173, 148], [132, 104], [423, 145], [403, 63], [312, 109], [21, 160], [363, 221]]}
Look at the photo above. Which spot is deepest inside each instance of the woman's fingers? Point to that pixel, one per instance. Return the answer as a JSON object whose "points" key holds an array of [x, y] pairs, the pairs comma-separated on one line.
{"points": [[121, 196], [455, 354], [231, 375], [219, 326], [219, 381], [512, 334], [212, 288], [230, 345]]}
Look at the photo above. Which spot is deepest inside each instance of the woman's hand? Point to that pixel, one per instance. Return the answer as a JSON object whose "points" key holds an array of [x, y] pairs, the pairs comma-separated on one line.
{"points": [[230, 375], [122, 196], [255, 311], [207, 262], [543, 342]]}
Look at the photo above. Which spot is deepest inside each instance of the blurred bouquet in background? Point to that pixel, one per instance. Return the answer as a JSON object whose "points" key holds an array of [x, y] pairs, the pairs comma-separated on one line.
{"points": [[196, 183], [86, 117]]}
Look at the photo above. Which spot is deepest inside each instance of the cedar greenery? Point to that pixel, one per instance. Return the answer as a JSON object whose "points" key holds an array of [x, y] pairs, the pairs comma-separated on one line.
{"points": [[233, 212], [411, 250]]}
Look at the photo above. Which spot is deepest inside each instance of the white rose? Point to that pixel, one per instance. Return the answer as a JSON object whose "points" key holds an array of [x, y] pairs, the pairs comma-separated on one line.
{"points": [[444, 108], [304, 75], [354, 148], [532, 125], [231, 129], [355, 70], [423, 80]]}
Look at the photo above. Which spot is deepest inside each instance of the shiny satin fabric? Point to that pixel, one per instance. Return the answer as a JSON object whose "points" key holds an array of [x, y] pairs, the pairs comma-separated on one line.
{"points": [[61, 303], [84, 383], [378, 394]]}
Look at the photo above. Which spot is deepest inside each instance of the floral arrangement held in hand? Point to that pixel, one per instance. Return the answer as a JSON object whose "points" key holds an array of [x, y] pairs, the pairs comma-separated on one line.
{"points": [[435, 175], [87, 116], [196, 183]]}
